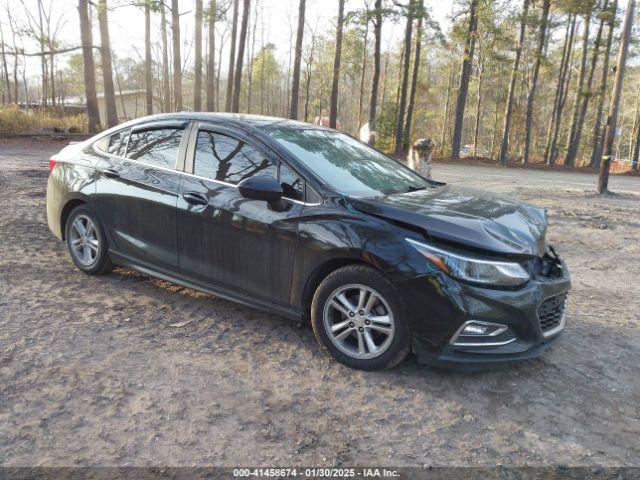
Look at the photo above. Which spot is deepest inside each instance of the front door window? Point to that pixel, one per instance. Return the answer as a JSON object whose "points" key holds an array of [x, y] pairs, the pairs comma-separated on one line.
{"points": [[227, 159]]}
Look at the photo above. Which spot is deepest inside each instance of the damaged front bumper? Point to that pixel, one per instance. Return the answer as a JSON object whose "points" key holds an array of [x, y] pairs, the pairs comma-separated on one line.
{"points": [[467, 327]]}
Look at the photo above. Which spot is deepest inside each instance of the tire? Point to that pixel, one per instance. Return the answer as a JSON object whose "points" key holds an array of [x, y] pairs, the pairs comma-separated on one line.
{"points": [[97, 261], [349, 344]]}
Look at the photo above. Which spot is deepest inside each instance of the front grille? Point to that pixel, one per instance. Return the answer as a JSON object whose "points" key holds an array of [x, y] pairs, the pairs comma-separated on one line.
{"points": [[551, 312]]}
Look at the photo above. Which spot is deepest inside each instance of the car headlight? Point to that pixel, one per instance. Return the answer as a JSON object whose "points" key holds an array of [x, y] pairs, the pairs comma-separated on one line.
{"points": [[470, 269]]}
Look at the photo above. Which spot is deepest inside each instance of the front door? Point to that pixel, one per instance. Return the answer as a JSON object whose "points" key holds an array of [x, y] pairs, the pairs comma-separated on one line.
{"points": [[137, 194], [224, 239]]}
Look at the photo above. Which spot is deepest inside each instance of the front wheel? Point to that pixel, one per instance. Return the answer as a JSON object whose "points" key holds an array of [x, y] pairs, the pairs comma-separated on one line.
{"points": [[357, 317], [86, 242]]}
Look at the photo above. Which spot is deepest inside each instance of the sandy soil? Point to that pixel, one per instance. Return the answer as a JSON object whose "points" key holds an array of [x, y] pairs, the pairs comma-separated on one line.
{"points": [[105, 371]]}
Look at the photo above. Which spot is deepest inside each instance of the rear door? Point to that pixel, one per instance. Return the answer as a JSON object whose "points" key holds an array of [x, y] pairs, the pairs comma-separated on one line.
{"points": [[137, 192], [225, 239]]}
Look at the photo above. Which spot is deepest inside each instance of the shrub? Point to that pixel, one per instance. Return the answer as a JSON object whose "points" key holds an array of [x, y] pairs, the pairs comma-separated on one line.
{"points": [[14, 120]]}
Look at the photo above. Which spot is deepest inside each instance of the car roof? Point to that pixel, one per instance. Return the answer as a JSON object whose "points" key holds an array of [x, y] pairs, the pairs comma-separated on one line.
{"points": [[258, 122]]}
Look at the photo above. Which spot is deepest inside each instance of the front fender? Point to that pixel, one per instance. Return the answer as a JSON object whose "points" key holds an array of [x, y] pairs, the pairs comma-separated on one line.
{"points": [[330, 238]]}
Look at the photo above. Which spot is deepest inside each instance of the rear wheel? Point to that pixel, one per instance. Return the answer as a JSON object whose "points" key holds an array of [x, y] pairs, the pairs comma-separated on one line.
{"points": [[357, 316], [86, 242]]}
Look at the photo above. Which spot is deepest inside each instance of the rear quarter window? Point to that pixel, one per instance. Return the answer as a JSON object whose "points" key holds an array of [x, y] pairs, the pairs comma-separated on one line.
{"points": [[114, 144]]}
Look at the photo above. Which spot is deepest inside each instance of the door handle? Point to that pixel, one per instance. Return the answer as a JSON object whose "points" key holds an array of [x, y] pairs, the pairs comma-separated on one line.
{"points": [[195, 198], [109, 173]]}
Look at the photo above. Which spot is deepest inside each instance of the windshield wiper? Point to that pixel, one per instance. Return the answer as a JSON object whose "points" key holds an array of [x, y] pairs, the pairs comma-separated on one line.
{"points": [[413, 189]]}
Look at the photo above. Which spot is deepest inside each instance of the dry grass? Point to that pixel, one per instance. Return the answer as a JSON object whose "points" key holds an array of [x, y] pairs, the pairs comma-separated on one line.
{"points": [[14, 120]]}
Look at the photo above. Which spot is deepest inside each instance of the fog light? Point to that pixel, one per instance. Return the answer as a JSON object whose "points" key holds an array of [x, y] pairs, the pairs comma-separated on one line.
{"points": [[474, 328], [476, 333]]}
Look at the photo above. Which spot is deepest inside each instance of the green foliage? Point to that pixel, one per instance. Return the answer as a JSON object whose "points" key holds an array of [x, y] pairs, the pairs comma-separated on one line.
{"points": [[386, 126], [266, 80]]}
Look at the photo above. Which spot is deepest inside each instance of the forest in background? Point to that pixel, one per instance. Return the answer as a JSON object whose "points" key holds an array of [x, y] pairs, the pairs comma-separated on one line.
{"points": [[513, 80]]}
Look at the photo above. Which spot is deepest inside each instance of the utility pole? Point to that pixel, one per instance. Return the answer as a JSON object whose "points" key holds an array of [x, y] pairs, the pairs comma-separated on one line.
{"points": [[616, 91]]}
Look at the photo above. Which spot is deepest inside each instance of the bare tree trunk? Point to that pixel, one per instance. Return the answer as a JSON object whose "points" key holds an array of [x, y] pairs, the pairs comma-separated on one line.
{"points": [[219, 70], [122, 105], [107, 74], [333, 108], [24, 83], [504, 146], [211, 59], [7, 81], [262, 66], [373, 101], [399, 80], [447, 105], [50, 72], [531, 97], [13, 27], [402, 101], [43, 60], [177, 63], [494, 136], [197, 80], [563, 82], [308, 74], [616, 91], [565, 46], [465, 75], [93, 113], [384, 85], [414, 78], [166, 100], [52, 75], [148, 78], [16, 85], [572, 141], [635, 145], [363, 71], [237, 76], [476, 129], [635, 134], [574, 144], [295, 85], [232, 57], [251, 56], [596, 149], [60, 91]]}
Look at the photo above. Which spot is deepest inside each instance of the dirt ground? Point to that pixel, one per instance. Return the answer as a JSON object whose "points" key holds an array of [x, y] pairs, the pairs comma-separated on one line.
{"points": [[128, 370]]}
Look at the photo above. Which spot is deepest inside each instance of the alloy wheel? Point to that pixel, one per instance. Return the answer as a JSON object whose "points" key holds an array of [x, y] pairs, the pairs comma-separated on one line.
{"points": [[359, 321], [84, 242]]}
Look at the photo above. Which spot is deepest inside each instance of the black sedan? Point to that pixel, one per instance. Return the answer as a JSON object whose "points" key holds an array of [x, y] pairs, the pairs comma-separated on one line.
{"points": [[309, 223]]}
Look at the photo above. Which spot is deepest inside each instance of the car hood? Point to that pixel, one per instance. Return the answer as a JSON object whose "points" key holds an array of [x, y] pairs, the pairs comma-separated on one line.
{"points": [[466, 216]]}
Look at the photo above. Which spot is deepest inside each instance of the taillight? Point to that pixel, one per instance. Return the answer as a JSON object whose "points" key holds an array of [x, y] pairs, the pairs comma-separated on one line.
{"points": [[52, 162]]}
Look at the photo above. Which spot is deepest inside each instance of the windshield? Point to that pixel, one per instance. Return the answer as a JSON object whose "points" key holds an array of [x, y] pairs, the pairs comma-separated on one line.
{"points": [[347, 165]]}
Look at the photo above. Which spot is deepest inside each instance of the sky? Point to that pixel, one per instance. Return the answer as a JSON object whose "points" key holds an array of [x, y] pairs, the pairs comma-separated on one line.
{"points": [[277, 13], [126, 24]]}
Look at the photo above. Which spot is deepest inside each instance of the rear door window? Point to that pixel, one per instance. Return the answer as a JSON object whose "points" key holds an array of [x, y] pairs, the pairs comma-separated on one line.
{"points": [[228, 159], [158, 147]]}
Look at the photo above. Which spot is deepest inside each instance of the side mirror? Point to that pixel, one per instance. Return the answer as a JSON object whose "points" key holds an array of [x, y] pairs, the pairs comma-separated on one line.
{"points": [[261, 187]]}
